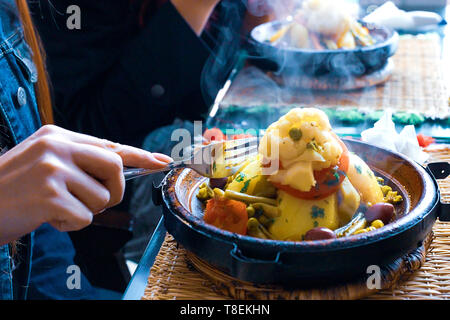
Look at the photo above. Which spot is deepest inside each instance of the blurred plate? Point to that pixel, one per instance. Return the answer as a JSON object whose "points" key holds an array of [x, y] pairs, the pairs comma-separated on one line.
{"points": [[341, 62]]}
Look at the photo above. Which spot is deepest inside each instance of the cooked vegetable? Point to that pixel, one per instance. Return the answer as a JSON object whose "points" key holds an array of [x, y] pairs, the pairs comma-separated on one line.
{"points": [[364, 180], [299, 36], [297, 216], [424, 141], [323, 23], [251, 181], [348, 201], [371, 228], [213, 134], [256, 229], [250, 211], [280, 33], [218, 192], [357, 223], [328, 180], [205, 192], [265, 221], [393, 197], [248, 198], [267, 209], [317, 187], [227, 214], [298, 162], [377, 224]]}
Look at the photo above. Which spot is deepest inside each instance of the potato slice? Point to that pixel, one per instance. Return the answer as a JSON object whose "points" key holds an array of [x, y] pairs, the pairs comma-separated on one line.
{"points": [[364, 180], [298, 216], [251, 181], [349, 201]]}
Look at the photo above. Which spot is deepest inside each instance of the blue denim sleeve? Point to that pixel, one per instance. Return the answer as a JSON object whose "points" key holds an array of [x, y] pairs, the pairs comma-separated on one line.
{"points": [[6, 286], [54, 273]]}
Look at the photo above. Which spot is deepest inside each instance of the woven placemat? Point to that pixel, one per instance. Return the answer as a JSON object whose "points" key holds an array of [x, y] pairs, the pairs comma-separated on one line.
{"points": [[418, 83], [173, 275]]}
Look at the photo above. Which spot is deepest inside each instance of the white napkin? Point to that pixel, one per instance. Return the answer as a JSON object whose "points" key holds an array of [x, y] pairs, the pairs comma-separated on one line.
{"points": [[384, 135], [390, 16]]}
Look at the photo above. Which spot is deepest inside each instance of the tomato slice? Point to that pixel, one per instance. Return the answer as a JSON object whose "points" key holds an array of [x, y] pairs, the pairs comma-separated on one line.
{"points": [[227, 214], [213, 134], [240, 136], [328, 180], [424, 141]]}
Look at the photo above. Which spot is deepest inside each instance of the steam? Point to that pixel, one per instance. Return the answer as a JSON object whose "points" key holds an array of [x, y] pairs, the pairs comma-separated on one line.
{"points": [[275, 77]]}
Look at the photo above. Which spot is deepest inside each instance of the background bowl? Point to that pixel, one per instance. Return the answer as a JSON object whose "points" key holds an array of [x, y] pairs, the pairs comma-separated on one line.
{"points": [[309, 262], [339, 63]]}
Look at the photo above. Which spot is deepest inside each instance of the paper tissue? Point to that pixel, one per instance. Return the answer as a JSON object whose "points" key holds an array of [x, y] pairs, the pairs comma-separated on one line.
{"points": [[384, 135], [390, 16]]}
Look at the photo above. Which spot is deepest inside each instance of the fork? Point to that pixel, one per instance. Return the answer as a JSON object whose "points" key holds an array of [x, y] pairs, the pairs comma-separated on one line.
{"points": [[219, 159]]}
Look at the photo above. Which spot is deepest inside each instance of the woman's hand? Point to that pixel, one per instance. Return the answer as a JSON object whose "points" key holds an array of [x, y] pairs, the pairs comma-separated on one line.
{"points": [[63, 178], [195, 12]]}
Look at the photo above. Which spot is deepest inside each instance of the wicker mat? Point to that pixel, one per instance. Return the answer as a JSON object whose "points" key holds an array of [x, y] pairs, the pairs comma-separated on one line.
{"points": [[174, 277], [418, 83]]}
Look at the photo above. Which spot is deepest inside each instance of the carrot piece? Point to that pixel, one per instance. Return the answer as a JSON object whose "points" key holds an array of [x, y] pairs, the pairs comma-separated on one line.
{"points": [[227, 214]]}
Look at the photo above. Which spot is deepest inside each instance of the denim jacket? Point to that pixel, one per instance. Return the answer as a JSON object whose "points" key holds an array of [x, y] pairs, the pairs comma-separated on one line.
{"points": [[45, 254], [19, 110]]}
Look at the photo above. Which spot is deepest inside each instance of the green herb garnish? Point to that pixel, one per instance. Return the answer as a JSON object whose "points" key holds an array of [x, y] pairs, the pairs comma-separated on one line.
{"points": [[245, 187], [240, 177], [313, 145], [317, 212]]}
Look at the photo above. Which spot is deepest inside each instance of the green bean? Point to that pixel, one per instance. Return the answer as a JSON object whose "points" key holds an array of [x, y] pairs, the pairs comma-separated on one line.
{"points": [[257, 233], [265, 221], [218, 192], [264, 231], [358, 222], [268, 210], [248, 198], [256, 229]]}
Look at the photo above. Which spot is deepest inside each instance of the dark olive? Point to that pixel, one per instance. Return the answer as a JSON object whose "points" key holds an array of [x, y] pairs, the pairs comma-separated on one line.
{"points": [[217, 182], [320, 233], [380, 211]]}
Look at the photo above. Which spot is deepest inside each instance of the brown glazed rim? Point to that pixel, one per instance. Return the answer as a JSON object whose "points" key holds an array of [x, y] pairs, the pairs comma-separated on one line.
{"points": [[428, 200]]}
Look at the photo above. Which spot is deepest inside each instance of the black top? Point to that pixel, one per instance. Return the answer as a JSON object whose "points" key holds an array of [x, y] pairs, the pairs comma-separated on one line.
{"points": [[115, 80]]}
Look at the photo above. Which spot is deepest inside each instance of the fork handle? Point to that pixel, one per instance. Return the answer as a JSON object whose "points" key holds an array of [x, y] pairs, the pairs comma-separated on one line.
{"points": [[131, 173]]}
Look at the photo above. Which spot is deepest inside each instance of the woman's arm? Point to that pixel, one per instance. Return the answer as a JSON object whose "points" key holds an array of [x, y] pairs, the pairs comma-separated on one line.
{"points": [[195, 12], [63, 178]]}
